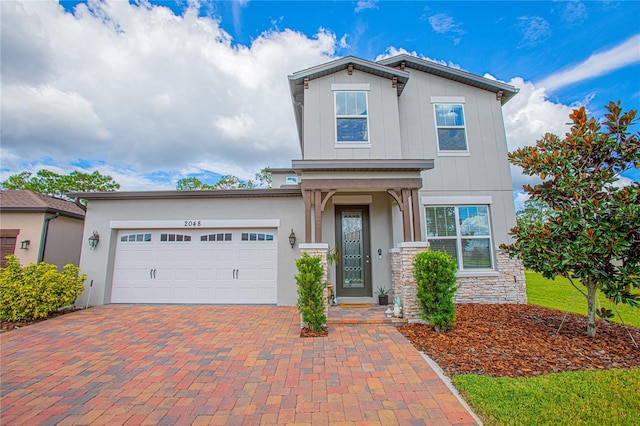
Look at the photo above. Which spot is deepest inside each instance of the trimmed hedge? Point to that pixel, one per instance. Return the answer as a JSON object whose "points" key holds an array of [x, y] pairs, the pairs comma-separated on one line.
{"points": [[34, 291], [435, 273]]}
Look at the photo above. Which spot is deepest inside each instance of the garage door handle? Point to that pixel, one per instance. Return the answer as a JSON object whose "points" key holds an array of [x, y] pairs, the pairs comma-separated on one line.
{"points": [[151, 273], [154, 274], [237, 273]]}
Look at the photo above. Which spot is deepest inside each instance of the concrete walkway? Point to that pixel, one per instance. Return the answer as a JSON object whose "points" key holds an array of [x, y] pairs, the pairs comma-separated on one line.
{"points": [[124, 364]]}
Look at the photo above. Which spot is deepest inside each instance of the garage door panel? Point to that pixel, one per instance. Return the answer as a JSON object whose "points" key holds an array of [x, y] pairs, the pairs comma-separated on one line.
{"points": [[204, 267]]}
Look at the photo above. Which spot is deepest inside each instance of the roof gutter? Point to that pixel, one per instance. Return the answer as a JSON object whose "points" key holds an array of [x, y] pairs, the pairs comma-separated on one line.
{"points": [[45, 233]]}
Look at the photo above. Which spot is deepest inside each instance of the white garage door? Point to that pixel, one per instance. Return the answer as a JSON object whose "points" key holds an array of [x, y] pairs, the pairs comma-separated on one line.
{"points": [[195, 266]]}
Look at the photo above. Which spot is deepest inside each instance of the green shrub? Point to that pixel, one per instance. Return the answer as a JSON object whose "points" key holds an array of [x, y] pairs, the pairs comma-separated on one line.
{"points": [[435, 274], [34, 291], [311, 291]]}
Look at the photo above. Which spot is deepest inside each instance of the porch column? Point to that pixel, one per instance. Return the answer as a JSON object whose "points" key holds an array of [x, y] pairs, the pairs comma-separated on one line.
{"points": [[317, 209], [306, 196], [402, 279], [415, 203], [406, 219]]}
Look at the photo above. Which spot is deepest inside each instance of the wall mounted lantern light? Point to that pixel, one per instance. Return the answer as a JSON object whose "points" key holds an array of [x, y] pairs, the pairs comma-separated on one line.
{"points": [[94, 239], [292, 239], [25, 244]]}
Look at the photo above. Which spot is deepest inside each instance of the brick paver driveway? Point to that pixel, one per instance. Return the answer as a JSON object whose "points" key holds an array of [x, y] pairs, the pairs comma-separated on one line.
{"points": [[121, 364]]}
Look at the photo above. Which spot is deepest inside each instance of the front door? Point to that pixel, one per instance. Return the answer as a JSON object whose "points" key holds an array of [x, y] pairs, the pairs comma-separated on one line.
{"points": [[353, 270]]}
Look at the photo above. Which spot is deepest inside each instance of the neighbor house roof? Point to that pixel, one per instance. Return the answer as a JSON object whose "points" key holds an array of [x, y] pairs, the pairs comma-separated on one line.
{"points": [[24, 201]]}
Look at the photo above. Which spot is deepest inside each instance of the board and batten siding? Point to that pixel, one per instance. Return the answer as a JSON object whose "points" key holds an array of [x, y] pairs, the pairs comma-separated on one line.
{"points": [[320, 123]]}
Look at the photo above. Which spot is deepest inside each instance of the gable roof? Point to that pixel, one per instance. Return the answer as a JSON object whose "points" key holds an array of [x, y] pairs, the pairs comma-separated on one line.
{"points": [[23, 201], [389, 68], [444, 71]]}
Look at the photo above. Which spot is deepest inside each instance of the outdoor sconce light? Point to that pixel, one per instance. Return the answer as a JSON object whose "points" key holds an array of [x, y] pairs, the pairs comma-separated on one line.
{"points": [[94, 239], [25, 244], [292, 239]]}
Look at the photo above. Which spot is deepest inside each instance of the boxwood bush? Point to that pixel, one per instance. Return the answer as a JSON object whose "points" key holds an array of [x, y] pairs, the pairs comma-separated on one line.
{"points": [[34, 291], [435, 273]]}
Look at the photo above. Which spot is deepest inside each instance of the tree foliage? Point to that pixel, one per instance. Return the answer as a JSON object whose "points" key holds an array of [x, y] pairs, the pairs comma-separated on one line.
{"points": [[435, 274], [590, 233], [311, 291], [263, 180], [51, 183]]}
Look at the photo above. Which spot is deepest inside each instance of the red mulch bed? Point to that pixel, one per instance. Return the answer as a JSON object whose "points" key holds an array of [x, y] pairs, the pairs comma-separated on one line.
{"points": [[10, 325], [521, 341], [306, 332]]}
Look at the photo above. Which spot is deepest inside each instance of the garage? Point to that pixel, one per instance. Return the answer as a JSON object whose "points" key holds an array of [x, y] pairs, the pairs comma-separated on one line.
{"points": [[192, 266]]}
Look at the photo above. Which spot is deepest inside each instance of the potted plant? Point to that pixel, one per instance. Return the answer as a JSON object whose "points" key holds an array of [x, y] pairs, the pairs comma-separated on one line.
{"points": [[383, 296]]}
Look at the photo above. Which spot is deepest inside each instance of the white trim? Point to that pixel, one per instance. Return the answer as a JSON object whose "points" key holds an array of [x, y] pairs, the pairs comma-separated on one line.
{"points": [[413, 244], [447, 100], [454, 154], [199, 224], [352, 199], [355, 145], [477, 273], [350, 87], [457, 200], [312, 246]]}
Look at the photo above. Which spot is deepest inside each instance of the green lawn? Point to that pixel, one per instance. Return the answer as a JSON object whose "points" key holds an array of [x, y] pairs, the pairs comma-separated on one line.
{"points": [[559, 294], [574, 398]]}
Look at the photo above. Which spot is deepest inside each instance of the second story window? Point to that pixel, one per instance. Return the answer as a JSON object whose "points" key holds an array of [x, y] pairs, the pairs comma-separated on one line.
{"points": [[450, 126], [352, 116]]}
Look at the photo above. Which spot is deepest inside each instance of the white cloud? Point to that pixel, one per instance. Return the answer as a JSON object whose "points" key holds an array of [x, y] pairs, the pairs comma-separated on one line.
{"points": [[535, 30], [394, 51], [574, 13], [442, 23], [140, 89], [601, 63], [366, 4]]}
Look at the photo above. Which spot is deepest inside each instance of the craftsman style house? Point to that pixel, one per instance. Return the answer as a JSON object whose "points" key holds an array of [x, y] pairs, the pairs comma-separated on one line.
{"points": [[397, 155]]}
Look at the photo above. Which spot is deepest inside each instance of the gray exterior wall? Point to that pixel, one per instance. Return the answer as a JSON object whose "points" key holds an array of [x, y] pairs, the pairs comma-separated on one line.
{"points": [[64, 241], [98, 264], [320, 123]]}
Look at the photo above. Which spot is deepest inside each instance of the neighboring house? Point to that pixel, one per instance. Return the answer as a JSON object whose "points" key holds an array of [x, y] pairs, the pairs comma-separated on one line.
{"points": [[395, 153], [39, 228]]}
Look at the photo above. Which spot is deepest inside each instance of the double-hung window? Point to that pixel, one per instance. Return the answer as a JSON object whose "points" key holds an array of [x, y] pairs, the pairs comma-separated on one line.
{"points": [[352, 116], [462, 231], [450, 125]]}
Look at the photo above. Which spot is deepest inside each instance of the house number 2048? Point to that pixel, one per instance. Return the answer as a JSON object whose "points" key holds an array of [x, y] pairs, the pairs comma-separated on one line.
{"points": [[192, 223]]}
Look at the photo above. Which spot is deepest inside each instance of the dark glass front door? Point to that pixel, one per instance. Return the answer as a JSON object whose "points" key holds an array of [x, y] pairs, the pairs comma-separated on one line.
{"points": [[353, 269]]}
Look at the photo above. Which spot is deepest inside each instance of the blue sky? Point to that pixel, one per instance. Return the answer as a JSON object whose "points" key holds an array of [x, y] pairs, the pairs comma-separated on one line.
{"points": [[153, 92]]}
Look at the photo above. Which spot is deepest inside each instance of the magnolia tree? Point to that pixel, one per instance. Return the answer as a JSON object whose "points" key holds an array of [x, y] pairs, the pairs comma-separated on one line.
{"points": [[590, 231]]}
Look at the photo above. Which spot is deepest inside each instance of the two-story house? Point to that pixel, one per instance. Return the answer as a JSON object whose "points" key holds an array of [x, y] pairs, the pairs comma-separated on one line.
{"points": [[395, 154]]}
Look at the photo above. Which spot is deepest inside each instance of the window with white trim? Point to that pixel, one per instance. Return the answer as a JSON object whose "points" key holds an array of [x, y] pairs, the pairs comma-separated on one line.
{"points": [[462, 231], [450, 127], [352, 116]]}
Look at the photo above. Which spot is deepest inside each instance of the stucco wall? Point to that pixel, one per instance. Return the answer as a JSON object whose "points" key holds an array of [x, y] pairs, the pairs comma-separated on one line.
{"points": [[30, 226], [64, 241], [98, 263]]}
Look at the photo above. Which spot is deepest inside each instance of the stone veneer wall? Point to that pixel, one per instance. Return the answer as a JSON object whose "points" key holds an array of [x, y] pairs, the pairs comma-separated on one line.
{"points": [[319, 249], [402, 280], [507, 287]]}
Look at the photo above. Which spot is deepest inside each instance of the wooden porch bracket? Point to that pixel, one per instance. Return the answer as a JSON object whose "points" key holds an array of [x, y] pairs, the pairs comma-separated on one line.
{"points": [[327, 198], [396, 197]]}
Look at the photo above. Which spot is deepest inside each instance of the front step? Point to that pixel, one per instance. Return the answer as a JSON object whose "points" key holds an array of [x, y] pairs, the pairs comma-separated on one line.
{"points": [[374, 314]]}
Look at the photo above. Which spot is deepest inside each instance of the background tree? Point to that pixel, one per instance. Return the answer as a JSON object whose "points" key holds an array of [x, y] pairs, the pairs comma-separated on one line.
{"points": [[533, 212], [591, 228], [263, 179], [51, 183]]}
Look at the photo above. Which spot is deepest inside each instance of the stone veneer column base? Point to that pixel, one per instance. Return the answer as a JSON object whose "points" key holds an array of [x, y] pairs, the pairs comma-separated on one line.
{"points": [[506, 285], [319, 249], [402, 280]]}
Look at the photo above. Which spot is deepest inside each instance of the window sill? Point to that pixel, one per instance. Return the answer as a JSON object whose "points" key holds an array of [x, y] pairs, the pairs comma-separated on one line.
{"points": [[471, 274], [454, 154], [350, 145]]}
